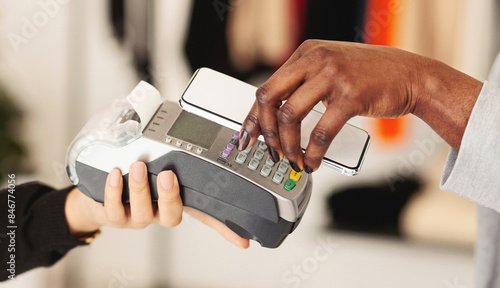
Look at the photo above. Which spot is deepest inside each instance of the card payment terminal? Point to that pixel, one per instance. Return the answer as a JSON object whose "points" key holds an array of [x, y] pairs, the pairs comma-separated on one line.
{"points": [[253, 196]]}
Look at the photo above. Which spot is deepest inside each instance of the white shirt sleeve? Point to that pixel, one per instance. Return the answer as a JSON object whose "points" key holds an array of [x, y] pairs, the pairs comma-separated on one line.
{"points": [[474, 172]]}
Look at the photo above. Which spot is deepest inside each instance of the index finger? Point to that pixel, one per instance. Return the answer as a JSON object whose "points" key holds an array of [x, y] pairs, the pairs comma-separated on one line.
{"points": [[269, 98], [250, 129]]}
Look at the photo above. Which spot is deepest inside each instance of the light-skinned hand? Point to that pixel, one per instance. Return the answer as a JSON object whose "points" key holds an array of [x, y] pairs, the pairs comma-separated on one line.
{"points": [[84, 215]]}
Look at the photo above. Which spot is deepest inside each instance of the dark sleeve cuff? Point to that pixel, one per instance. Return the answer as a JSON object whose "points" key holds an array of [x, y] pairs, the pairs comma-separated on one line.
{"points": [[48, 212], [42, 235]]}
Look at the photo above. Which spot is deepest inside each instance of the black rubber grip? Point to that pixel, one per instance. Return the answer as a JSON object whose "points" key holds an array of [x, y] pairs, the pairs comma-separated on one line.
{"points": [[244, 207]]}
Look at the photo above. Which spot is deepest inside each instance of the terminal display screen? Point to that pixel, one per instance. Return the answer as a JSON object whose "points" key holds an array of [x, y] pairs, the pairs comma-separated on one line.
{"points": [[195, 130]]}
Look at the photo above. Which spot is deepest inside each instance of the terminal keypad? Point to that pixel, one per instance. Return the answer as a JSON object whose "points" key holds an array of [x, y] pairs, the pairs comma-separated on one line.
{"points": [[256, 158]]}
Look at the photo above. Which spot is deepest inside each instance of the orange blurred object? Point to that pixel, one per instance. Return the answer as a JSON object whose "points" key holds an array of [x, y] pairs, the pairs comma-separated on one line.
{"points": [[380, 21], [392, 130]]}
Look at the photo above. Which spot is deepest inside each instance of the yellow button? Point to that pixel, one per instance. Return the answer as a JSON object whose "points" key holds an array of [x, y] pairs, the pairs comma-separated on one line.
{"points": [[295, 176]]}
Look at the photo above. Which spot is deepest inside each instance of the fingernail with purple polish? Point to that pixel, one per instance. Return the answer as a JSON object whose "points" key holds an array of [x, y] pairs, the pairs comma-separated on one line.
{"points": [[274, 155], [244, 140], [308, 169], [294, 166]]}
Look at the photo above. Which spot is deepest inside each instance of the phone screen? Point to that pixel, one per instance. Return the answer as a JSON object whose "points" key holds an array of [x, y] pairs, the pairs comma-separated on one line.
{"points": [[226, 101]]}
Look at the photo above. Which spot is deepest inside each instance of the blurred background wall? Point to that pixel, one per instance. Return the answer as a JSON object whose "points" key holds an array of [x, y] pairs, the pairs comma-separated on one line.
{"points": [[61, 60]]}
